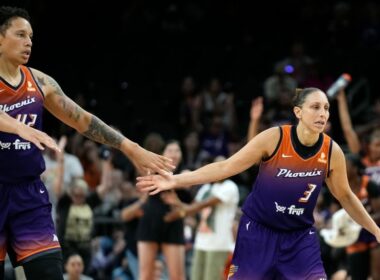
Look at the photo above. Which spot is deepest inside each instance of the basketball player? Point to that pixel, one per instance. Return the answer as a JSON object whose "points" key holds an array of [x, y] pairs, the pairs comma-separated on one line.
{"points": [[276, 237], [26, 226]]}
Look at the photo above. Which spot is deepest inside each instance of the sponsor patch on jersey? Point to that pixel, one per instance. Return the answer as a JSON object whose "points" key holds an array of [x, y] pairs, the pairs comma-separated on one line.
{"points": [[291, 210]]}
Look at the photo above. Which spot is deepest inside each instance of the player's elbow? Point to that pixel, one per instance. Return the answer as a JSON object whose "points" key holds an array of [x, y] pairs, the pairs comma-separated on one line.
{"points": [[343, 196]]}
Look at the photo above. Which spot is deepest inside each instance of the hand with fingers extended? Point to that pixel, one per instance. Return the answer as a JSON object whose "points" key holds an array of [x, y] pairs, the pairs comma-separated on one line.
{"points": [[37, 137], [154, 184], [144, 161]]}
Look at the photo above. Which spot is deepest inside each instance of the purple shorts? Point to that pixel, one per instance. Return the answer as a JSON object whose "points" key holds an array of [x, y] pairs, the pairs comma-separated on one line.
{"points": [[26, 224], [262, 253]]}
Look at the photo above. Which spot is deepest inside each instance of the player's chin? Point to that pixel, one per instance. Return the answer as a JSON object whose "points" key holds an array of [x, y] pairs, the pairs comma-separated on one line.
{"points": [[24, 60], [318, 127]]}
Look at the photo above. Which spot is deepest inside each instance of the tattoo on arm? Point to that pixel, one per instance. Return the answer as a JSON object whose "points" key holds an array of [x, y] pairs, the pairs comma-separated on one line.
{"points": [[97, 130], [72, 110], [102, 133]]}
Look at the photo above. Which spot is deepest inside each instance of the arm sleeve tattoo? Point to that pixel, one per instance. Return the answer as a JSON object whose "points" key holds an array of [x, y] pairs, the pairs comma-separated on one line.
{"points": [[102, 133], [97, 130]]}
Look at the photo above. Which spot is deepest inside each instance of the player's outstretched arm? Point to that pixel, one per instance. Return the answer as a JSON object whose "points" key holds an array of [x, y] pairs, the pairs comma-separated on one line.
{"points": [[253, 152], [37, 137], [66, 110], [339, 187]]}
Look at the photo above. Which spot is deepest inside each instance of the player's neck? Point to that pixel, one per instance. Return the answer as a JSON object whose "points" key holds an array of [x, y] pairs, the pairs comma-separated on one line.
{"points": [[10, 73], [306, 136]]}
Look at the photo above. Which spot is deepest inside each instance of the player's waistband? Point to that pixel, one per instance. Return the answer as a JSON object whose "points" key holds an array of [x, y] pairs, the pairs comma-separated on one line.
{"points": [[276, 229]]}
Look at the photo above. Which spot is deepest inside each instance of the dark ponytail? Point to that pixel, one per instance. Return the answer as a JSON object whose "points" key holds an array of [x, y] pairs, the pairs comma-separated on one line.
{"points": [[301, 94]]}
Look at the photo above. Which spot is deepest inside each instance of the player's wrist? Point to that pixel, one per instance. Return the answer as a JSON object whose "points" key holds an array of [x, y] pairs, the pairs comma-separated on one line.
{"points": [[128, 147], [176, 183], [18, 128]]}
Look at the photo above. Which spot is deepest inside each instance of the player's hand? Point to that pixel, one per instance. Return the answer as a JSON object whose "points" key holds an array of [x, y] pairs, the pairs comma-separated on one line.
{"points": [[38, 138], [154, 184], [147, 162]]}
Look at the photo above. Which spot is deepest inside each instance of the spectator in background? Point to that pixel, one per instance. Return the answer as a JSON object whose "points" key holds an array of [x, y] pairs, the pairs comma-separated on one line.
{"points": [[371, 159], [373, 119], [155, 235], [91, 162], [75, 219], [280, 81], [215, 101], [278, 92], [131, 210], [74, 268], [214, 141], [211, 99], [107, 253], [371, 151], [191, 150], [61, 169], [71, 164], [214, 240]]}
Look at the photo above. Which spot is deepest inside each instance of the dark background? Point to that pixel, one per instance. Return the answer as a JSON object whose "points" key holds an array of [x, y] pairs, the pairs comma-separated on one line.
{"points": [[127, 58]]}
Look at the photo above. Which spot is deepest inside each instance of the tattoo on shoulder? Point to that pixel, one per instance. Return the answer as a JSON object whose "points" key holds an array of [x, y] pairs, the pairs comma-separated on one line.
{"points": [[102, 133], [55, 85], [46, 80], [72, 110], [40, 81]]}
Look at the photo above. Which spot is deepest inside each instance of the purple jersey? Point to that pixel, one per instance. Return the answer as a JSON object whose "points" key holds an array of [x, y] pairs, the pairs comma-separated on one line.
{"points": [[287, 187], [21, 160]]}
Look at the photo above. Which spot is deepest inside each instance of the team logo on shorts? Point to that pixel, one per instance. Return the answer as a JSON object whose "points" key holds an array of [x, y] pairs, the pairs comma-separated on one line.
{"points": [[232, 271]]}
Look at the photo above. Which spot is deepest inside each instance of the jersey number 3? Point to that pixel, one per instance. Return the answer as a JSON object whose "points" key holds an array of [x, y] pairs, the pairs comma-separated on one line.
{"points": [[307, 194]]}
